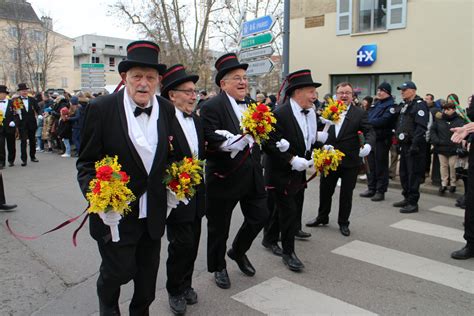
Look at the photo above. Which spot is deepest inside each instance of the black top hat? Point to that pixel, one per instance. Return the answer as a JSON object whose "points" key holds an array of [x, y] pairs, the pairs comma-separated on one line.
{"points": [[174, 76], [22, 86], [226, 63], [300, 79], [3, 89], [142, 54]]}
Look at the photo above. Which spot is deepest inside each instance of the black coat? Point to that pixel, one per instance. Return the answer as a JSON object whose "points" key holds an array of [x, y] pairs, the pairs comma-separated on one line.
{"points": [[28, 118], [65, 129], [8, 117], [347, 140], [440, 134], [181, 149], [106, 133], [278, 173], [217, 114]]}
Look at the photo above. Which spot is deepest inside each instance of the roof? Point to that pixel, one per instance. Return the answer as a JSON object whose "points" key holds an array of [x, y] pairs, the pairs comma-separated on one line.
{"points": [[18, 10]]}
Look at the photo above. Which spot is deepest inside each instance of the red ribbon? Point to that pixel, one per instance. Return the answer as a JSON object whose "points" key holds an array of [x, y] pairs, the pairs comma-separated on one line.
{"points": [[63, 224]]}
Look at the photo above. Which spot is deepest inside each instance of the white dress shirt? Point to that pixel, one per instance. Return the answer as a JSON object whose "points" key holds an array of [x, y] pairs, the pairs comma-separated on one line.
{"points": [[306, 122], [25, 103], [189, 130], [3, 106], [337, 126], [239, 109]]}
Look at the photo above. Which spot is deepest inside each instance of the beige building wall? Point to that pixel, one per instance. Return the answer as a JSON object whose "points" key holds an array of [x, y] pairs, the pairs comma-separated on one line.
{"points": [[436, 46], [61, 74]]}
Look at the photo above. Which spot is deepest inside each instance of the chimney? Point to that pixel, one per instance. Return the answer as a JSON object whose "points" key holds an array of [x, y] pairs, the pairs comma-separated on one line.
{"points": [[47, 22]]}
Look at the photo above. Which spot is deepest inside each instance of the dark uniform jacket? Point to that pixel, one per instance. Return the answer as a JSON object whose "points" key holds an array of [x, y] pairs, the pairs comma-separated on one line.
{"points": [[412, 123], [382, 117]]}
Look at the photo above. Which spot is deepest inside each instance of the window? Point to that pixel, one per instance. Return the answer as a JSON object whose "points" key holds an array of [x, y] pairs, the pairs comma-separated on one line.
{"points": [[63, 82], [109, 46], [37, 36], [95, 60], [39, 77], [93, 44], [369, 15], [13, 79], [39, 57], [112, 62], [14, 31], [14, 54]]}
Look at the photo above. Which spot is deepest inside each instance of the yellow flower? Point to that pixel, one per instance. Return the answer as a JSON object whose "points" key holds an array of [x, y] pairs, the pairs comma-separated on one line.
{"points": [[258, 121], [182, 177], [333, 110], [326, 160]]}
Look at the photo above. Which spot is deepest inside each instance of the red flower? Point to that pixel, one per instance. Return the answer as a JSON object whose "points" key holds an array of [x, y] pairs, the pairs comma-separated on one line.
{"points": [[268, 119], [359, 133], [174, 185], [333, 109], [327, 161], [96, 189], [190, 160], [262, 108], [124, 176], [104, 173], [261, 129], [257, 116], [184, 175]]}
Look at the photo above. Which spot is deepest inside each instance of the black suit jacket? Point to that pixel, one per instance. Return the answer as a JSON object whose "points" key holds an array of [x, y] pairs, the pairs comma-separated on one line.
{"points": [[28, 118], [9, 117], [105, 132], [278, 173], [347, 140], [181, 149], [217, 114]]}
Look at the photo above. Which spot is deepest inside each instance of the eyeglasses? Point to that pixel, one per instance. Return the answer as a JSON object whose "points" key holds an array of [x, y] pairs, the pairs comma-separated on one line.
{"points": [[189, 92], [344, 93], [237, 78]]}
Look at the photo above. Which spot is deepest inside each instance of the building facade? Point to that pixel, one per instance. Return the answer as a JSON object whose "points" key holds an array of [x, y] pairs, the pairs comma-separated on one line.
{"points": [[367, 42]]}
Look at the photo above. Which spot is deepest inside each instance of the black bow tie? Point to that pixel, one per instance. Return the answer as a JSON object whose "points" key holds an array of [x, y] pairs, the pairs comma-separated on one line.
{"points": [[23, 98], [3, 101], [241, 102], [186, 115], [139, 110], [305, 112]]}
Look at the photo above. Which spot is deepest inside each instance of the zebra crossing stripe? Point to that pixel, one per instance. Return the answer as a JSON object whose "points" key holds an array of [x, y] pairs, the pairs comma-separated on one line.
{"points": [[430, 229], [423, 268], [448, 210], [277, 296]]}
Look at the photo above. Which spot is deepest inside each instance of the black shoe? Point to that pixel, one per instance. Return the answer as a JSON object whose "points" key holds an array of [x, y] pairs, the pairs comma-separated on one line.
{"points": [[292, 262], [464, 253], [277, 251], [7, 207], [190, 296], [367, 193], [344, 230], [452, 189], [2, 166], [442, 189], [410, 208], [11, 164], [302, 235], [222, 279], [177, 304], [316, 222], [401, 203], [34, 160], [23, 163], [243, 262], [378, 197]]}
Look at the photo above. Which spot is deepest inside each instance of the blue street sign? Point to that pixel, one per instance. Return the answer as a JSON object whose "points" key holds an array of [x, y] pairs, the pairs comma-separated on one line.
{"points": [[262, 24], [366, 55]]}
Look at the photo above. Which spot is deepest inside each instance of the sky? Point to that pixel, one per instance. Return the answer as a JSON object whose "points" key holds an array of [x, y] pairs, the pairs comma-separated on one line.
{"points": [[74, 18]]}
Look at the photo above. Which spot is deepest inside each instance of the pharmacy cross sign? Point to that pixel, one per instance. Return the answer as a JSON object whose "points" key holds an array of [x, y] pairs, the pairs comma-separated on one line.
{"points": [[366, 55]]}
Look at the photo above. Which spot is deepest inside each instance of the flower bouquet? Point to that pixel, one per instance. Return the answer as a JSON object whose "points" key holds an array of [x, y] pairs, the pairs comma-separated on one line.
{"points": [[327, 159], [332, 113], [17, 106], [181, 179], [109, 191], [258, 122], [1, 118]]}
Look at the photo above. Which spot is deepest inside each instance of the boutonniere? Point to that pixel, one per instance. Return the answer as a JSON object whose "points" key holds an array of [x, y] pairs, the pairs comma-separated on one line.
{"points": [[170, 145]]}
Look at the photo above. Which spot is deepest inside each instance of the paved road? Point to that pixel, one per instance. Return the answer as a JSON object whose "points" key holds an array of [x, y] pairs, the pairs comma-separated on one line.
{"points": [[391, 264]]}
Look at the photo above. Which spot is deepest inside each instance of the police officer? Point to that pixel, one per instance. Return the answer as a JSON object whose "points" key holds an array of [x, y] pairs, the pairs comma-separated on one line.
{"points": [[382, 116], [411, 128]]}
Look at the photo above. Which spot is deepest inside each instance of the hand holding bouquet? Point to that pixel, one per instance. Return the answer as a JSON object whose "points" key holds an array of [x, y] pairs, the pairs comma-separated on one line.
{"points": [[109, 195], [327, 159], [332, 113]]}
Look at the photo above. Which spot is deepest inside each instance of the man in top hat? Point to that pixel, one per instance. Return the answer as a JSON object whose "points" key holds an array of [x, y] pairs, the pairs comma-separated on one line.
{"points": [[7, 129], [135, 125], [345, 137], [382, 116], [231, 178], [285, 166], [27, 123], [183, 225], [411, 130]]}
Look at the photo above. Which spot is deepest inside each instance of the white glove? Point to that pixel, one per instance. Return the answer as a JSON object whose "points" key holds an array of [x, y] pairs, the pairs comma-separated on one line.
{"points": [[322, 137], [283, 145], [364, 151], [40, 117], [171, 199], [328, 147], [224, 133], [299, 164], [327, 122], [249, 139], [12, 124], [110, 218]]}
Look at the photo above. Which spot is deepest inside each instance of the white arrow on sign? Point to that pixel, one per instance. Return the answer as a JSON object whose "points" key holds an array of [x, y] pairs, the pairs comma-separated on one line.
{"points": [[259, 67], [257, 53]]}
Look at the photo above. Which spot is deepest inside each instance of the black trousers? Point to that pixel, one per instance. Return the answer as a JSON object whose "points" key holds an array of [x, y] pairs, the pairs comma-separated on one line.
{"points": [[9, 139], [435, 171], [286, 219], [219, 214], [182, 252], [326, 190], [412, 171], [27, 135], [123, 262], [469, 213], [2, 191], [377, 179]]}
